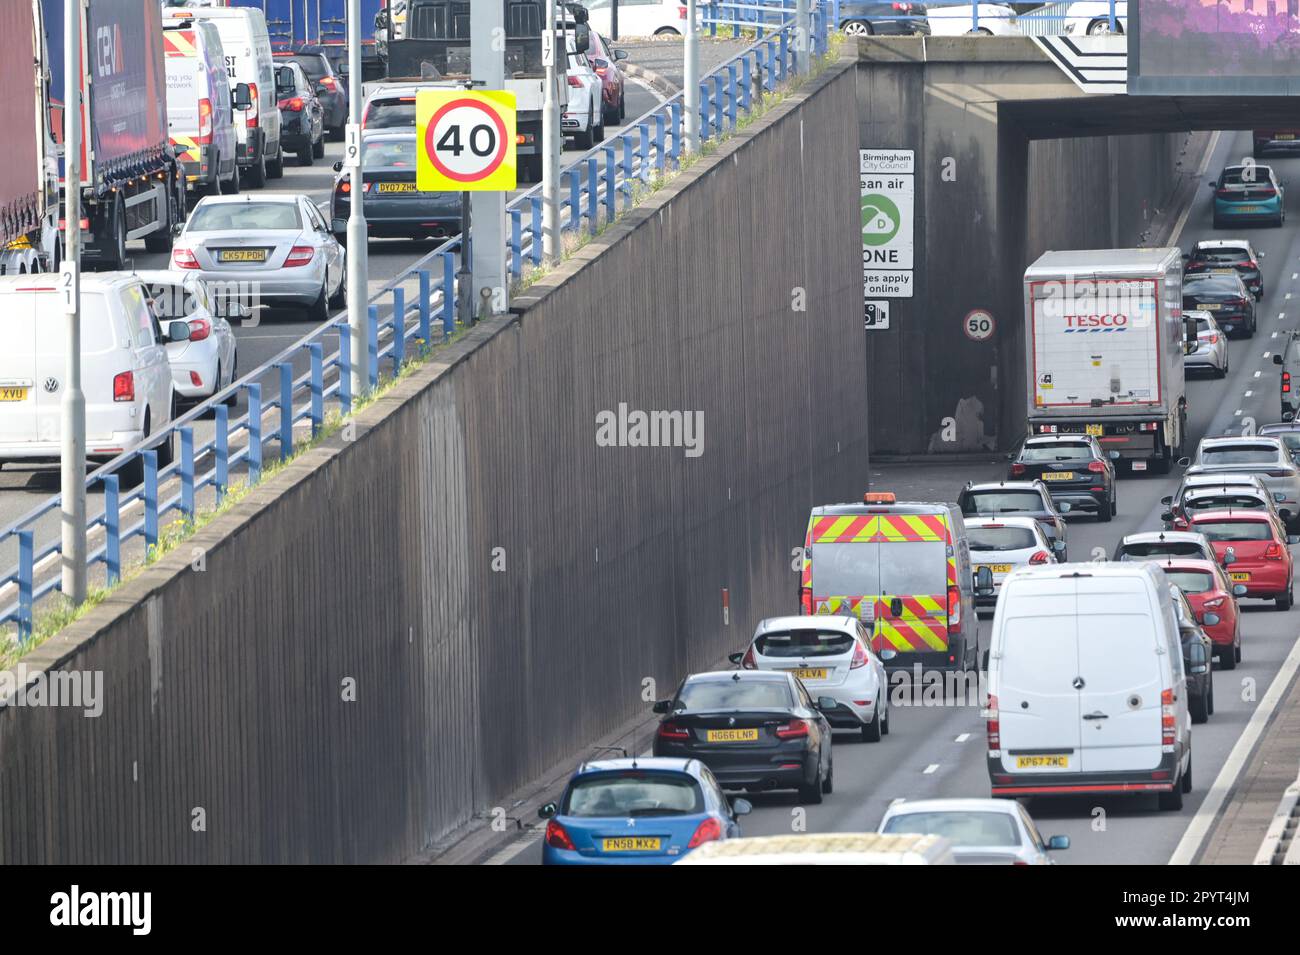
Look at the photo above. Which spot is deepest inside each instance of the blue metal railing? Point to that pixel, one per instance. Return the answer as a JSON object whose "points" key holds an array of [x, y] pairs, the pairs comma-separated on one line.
{"points": [[278, 400]]}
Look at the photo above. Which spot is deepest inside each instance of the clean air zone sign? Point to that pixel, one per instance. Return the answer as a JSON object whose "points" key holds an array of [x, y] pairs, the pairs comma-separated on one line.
{"points": [[888, 191], [467, 140]]}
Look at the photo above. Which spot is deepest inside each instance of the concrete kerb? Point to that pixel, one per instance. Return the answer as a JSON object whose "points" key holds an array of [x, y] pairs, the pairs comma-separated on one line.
{"points": [[1282, 831], [656, 81]]}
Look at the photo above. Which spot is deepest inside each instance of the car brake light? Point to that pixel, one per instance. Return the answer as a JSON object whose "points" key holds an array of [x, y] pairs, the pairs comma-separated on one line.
{"points": [[124, 387], [1273, 552], [293, 104], [205, 122], [556, 837], [184, 258], [805, 601], [1211, 604], [1265, 191], [671, 730], [1168, 721], [748, 662], [708, 831], [954, 609], [1096, 467], [299, 255], [250, 116], [329, 82], [681, 13], [345, 187], [1286, 382], [199, 329], [1017, 469], [792, 730], [1223, 193], [1252, 264], [1212, 338], [574, 81], [994, 726], [196, 379], [859, 656], [1040, 557]]}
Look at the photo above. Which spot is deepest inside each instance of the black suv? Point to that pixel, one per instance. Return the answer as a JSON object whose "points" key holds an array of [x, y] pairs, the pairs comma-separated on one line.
{"points": [[1074, 470], [1227, 257], [1223, 296]]}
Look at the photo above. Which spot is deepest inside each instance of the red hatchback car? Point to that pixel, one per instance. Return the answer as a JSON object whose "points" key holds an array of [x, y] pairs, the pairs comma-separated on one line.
{"points": [[605, 60], [1258, 545], [1213, 598]]}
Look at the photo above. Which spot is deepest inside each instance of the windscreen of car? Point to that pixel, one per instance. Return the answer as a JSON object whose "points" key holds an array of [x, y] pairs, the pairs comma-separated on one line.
{"points": [[840, 570], [170, 301], [313, 65], [1002, 502], [1260, 175], [1000, 538], [1197, 287], [1222, 502], [1191, 581], [391, 113], [1149, 549], [1235, 530], [1057, 451], [1289, 438], [803, 643], [244, 217], [635, 793], [1239, 454], [388, 153], [1222, 256], [960, 828], [736, 695]]}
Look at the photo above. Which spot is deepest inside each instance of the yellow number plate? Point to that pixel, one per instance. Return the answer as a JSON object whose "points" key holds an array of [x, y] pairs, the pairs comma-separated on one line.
{"points": [[1241, 576], [1058, 475], [731, 736], [1282, 136], [396, 187], [242, 255], [811, 673], [1210, 306], [1094, 429], [1043, 762], [996, 568], [1249, 209], [13, 394], [631, 844]]}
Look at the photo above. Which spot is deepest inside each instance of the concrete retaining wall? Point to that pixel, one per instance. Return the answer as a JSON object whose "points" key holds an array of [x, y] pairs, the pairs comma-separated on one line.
{"points": [[401, 628]]}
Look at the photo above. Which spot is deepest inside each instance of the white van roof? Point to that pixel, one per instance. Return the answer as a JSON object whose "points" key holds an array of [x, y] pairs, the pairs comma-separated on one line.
{"points": [[825, 848], [48, 282], [1080, 571]]}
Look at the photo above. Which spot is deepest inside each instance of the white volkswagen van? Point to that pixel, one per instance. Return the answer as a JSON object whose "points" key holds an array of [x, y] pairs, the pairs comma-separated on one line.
{"points": [[1087, 693]]}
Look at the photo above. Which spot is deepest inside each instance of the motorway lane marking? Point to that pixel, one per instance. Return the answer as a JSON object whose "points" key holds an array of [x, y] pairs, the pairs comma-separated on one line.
{"points": [[509, 852], [1295, 275], [1281, 315], [931, 768], [1205, 164], [1236, 413], [962, 738], [1210, 807], [1249, 393]]}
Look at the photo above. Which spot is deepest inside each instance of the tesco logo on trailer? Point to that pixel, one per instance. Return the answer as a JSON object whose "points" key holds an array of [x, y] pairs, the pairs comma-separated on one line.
{"points": [[1091, 321]]}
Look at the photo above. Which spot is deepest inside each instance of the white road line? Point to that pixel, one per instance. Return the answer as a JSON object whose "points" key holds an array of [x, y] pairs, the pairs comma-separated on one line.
{"points": [[1236, 413], [1274, 335], [1281, 315], [1295, 275], [1269, 354], [931, 768], [962, 738], [1287, 295], [1249, 393], [1214, 800], [1200, 173], [510, 851]]}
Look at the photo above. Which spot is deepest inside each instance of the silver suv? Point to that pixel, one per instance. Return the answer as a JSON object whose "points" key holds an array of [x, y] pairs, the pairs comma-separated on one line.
{"points": [[1265, 457]]}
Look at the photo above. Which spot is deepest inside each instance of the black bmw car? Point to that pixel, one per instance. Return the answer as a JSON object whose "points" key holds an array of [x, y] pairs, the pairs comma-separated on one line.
{"points": [[754, 729], [1224, 296], [394, 206], [1073, 468]]}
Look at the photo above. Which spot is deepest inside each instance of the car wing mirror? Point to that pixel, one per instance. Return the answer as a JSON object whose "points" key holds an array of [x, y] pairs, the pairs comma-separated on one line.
{"points": [[1211, 619], [888, 654], [735, 658], [241, 97], [1278, 359], [663, 706], [1167, 516], [1058, 843], [741, 806], [1113, 455], [826, 704], [1064, 507], [548, 811], [178, 331], [1184, 461], [620, 54], [1293, 538], [1239, 590], [984, 582], [1058, 545]]}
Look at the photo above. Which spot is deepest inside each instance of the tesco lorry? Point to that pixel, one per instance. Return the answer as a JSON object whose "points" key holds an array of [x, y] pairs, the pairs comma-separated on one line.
{"points": [[132, 185], [1105, 343], [29, 172]]}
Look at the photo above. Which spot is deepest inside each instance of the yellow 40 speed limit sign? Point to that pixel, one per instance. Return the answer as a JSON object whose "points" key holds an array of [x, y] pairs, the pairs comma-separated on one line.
{"points": [[467, 140]]}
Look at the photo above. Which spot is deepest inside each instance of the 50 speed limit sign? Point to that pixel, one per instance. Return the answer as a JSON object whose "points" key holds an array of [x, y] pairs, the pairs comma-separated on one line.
{"points": [[467, 140], [978, 325]]}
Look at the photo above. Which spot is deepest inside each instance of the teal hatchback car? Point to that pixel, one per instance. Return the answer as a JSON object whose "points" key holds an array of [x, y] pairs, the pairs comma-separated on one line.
{"points": [[1248, 193]]}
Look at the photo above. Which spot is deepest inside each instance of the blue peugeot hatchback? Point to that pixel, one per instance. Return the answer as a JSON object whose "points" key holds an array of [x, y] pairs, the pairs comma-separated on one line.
{"points": [[637, 811], [1248, 193]]}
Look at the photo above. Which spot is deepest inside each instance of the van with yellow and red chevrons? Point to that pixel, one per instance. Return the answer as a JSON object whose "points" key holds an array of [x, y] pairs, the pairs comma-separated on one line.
{"points": [[1106, 340], [904, 570]]}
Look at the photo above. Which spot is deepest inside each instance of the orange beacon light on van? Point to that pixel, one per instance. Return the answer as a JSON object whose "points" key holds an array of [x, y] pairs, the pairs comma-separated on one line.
{"points": [[879, 497]]}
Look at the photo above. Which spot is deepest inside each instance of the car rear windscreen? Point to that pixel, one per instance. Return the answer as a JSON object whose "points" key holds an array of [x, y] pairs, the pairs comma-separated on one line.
{"points": [[313, 64], [1222, 502], [1222, 256], [803, 643], [391, 113], [1191, 581], [244, 217], [736, 695], [841, 570], [1290, 438], [1235, 530], [635, 793], [1142, 551], [1051, 453], [960, 828], [1259, 176], [1210, 287], [1241, 454], [390, 153], [1002, 502], [1000, 538]]}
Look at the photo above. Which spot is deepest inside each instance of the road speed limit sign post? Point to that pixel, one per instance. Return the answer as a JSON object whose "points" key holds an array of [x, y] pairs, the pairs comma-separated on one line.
{"points": [[978, 325], [467, 140]]}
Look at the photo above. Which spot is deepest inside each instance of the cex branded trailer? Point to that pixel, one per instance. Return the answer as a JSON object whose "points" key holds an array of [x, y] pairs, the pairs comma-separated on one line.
{"points": [[1105, 345], [29, 174], [132, 186]]}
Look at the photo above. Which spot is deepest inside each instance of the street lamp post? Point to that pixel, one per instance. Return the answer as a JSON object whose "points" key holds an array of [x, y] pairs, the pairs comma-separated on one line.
{"points": [[691, 88], [552, 144], [358, 272]]}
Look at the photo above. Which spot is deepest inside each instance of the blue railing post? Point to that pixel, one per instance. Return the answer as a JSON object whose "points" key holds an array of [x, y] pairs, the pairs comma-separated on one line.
{"points": [[784, 60], [706, 113], [611, 182], [372, 345], [187, 472], [575, 199], [675, 111], [626, 139], [719, 102], [113, 528], [25, 572], [345, 367], [426, 307], [150, 498], [745, 103], [399, 328], [659, 142], [222, 440], [317, 354], [448, 294], [769, 81], [593, 196], [535, 248], [643, 150], [516, 244], [254, 432], [286, 409]]}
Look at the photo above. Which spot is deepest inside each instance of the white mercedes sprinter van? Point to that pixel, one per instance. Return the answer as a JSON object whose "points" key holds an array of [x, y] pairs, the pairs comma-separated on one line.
{"points": [[1087, 693]]}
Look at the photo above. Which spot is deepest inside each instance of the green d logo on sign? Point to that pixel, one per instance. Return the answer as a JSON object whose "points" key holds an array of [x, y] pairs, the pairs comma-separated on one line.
{"points": [[880, 219]]}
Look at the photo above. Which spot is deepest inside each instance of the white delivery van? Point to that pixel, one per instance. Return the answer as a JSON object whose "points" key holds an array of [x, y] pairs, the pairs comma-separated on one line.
{"points": [[200, 112], [124, 371], [247, 50], [1087, 693]]}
